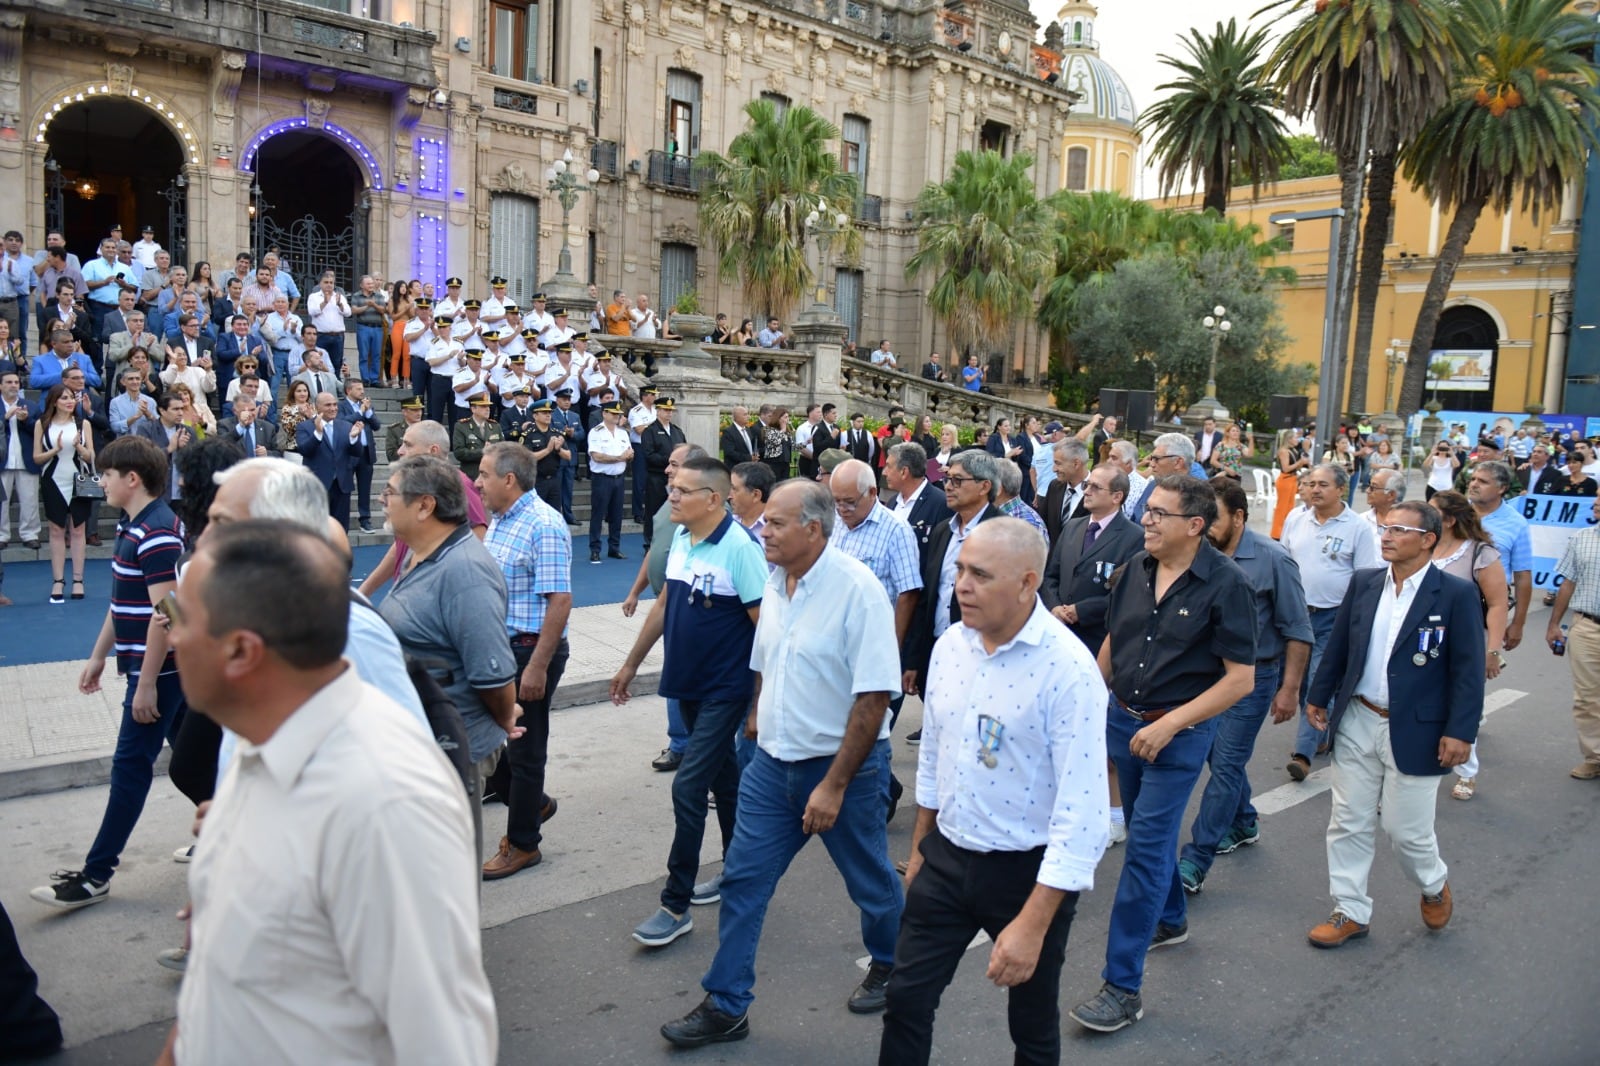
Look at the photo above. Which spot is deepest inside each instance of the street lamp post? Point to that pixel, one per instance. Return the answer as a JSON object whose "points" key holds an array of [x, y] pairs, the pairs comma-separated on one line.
{"points": [[1216, 324], [1395, 357], [826, 228], [563, 183], [1328, 379]]}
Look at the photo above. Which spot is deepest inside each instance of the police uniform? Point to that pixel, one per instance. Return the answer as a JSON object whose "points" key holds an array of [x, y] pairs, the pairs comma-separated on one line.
{"points": [[656, 442], [470, 381], [444, 359], [548, 481], [537, 318], [469, 438], [468, 329], [607, 479], [494, 308], [640, 417], [450, 305], [418, 337]]}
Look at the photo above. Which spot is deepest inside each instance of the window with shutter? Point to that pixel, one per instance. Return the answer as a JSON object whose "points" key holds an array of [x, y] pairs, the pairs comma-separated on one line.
{"points": [[847, 301], [677, 272], [514, 244]]}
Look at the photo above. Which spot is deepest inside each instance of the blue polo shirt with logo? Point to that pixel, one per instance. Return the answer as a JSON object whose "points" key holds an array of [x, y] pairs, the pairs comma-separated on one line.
{"points": [[709, 591]]}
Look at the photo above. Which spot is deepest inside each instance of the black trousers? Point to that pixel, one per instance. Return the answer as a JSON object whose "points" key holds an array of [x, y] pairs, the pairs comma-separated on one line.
{"points": [[28, 1027], [363, 473], [520, 775], [339, 504], [605, 506], [193, 768], [441, 398], [549, 490], [956, 893]]}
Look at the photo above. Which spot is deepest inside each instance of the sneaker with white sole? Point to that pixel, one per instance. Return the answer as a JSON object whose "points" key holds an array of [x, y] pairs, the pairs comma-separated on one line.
{"points": [[661, 928], [184, 854], [1167, 936], [707, 892], [1119, 833], [1238, 837], [72, 889]]}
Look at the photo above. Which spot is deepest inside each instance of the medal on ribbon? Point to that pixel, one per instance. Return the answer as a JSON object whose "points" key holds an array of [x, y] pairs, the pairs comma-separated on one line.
{"points": [[990, 730]]}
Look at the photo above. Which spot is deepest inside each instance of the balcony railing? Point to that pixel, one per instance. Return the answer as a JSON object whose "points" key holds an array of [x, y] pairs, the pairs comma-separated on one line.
{"points": [[671, 172], [603, 157]]}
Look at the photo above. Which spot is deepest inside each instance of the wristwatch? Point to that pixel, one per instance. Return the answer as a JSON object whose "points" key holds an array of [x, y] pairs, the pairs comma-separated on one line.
{"points": [[1498, 654]]}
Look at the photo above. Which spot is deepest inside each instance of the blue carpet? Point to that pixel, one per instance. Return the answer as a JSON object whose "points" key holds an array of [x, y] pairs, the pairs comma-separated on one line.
{"points": [[41, 632]]}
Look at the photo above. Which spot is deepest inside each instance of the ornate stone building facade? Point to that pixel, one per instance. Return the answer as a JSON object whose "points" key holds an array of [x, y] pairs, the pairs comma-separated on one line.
{"points": [[410, 137]]}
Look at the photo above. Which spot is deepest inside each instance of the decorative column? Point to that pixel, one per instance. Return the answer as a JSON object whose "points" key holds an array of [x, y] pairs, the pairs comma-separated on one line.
{"points": [[693, 378], [825, 341]]}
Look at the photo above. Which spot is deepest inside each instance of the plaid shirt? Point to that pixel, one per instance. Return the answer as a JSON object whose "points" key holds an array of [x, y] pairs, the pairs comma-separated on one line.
{"points": [[887, 545], [1580, 564], [534, 549]]}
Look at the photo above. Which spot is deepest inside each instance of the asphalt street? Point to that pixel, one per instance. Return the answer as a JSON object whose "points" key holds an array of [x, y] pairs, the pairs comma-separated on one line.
{"points": [[1510, 981]]}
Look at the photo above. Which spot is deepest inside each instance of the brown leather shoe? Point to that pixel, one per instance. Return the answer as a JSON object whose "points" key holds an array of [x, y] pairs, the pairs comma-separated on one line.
{"points": [[1335, 931], [1436, 910], [1586, 771], [508, 860]]}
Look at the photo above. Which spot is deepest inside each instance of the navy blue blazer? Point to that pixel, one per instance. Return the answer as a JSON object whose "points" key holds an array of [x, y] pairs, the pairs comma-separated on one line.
{"points": [[1084, 578], [331, 458], [1441, 698], [926, 514]]}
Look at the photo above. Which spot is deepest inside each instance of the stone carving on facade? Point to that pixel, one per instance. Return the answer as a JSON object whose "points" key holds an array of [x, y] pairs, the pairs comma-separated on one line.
{"points": [[119, 77], [316, 112], [11, 27], [777, 82], [635, 31], [513, 178], [858, 103], [733, 62], [684, 57], [225, 76], [936, 94], [608, 10], [681, 233], [687, 15], [998, 98]]}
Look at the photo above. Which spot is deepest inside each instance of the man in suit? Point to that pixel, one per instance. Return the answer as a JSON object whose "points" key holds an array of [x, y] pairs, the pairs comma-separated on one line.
{"points": [[19, 474], [119, 344], [922, 506], [1205, 440], [971, 481], [238, 342], [1064, 501], [741, 443], [473, 434], [656, 442], [1091, 547], [318, 376], [197, 344], [257, 436], [168, 433], [1400, 692], [356, 407], [1539, 473], [858, 441], [331, 447], [826, 435], [933, 370]]}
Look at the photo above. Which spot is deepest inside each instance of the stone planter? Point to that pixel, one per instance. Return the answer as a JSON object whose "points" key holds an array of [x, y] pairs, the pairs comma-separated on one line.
{"points": [[693, 329]]}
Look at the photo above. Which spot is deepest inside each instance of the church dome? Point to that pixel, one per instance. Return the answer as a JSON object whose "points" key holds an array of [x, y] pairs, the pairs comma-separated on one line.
{"points": [[1105, 94]]}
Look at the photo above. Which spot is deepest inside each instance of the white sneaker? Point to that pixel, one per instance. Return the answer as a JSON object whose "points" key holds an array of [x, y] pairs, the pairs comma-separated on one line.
{"points": [[185, 854], [1119, 833]]}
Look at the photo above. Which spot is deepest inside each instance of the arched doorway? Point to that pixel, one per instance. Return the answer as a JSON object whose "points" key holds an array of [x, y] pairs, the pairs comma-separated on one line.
{"points": [[112, 161], [1462, 364], [310, 202]]}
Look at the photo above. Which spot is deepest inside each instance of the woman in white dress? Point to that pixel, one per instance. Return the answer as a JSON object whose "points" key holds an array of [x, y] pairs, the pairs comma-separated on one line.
{"points": [[61, 445]]}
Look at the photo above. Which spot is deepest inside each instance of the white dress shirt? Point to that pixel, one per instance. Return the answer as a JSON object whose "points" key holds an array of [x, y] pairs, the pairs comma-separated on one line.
{"points": [[904, 505], [1048, 785], [328, 313], [1386, 630], [817, 651], [336, 899], [606, 441]]}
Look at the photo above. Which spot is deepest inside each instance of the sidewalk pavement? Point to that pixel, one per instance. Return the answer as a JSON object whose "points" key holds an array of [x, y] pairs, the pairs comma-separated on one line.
{"points": [[53, 737]]}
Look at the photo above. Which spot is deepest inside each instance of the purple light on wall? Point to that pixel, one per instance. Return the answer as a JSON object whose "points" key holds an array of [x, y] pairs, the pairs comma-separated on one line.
{"points": [[428, 249], [430, 166], [248, 161]]}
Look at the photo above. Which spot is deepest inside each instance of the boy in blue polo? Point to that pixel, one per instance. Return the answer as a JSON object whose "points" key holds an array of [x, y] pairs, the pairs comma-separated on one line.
{"points": [[707, 611]]}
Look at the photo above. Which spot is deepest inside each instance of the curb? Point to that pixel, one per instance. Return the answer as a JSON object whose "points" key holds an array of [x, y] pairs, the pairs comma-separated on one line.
{"points": [[84, 771]]}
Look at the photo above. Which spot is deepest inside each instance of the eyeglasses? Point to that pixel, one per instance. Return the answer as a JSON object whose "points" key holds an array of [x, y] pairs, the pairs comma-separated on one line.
{"points": [[676, 493], [1158, 458], [957, 480], [1384, 531], [845, 503], [1158, 514]]}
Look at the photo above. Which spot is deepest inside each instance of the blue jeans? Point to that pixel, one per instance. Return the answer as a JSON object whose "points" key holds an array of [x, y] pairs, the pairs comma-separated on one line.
{"points": [[677, 731], [1226, 800], [708, 764], [1307, 738], [333, 344], [767, 837], [1154, 795], [369, 344], [132, 769]]}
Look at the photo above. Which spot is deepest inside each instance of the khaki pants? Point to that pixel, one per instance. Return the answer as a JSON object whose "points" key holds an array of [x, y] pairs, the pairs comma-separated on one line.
{"points": [[1583, 654]]}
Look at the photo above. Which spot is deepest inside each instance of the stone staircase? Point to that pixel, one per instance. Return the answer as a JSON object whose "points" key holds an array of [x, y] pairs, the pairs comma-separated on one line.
{"points": [[386, 404]]}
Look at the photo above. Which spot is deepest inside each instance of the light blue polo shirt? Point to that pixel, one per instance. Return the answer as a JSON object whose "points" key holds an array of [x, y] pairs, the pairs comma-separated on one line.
{"points": [[707, 630]]}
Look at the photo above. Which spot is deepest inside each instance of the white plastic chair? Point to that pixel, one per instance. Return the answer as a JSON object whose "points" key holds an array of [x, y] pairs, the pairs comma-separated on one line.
{"points": [[1266, 489]]}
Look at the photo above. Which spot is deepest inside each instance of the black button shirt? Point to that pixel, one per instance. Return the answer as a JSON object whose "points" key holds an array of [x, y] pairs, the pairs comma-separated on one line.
{"points": [[535, 440], [1165, 655]]}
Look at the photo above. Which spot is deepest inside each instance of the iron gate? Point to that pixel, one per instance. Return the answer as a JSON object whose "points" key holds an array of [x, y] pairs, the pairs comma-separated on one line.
{"points": [[307, 247]]}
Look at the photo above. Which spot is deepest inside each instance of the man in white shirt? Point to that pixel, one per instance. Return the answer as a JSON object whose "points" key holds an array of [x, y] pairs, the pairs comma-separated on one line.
{"points": [[354, 976], [146, 247], [1011, 814], [494, 308], [883, 357], [327, 309], [1329, 542], [827, 666], [537, 318], [18, 474], [444, 358], [467, 329], [642, 318], [451, 303], [557, 332]]}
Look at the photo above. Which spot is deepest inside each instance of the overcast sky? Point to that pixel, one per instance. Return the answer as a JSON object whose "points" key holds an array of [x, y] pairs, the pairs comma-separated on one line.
{"points": [[1132, 33]]}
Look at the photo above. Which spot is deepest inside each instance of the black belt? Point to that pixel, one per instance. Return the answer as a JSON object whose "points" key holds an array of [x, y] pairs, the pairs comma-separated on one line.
{"points": [[1143, 716], [1314, 610], [1590, 617], [593, 473], [524, 640], [8, 299]]}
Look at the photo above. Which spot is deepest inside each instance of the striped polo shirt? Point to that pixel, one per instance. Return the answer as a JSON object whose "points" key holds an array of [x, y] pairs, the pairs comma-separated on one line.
{"points": [[148, 548], [710, 589]]}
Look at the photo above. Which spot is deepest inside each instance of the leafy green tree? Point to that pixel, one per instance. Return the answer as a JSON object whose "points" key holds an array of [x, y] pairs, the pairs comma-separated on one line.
{"points": [[754, 202], [984, 236], [1517, 129], [1305, 158], [1219, 119]]}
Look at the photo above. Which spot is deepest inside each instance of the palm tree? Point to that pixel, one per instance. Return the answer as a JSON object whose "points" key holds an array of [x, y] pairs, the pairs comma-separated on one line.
{"points": [[754, 202], [1518, 126], [1218, 117], [1371, 71], [985, 237]]}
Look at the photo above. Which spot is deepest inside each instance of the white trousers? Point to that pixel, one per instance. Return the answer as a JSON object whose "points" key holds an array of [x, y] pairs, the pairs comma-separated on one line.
{"points": [[23, 487], [1364, 774]]}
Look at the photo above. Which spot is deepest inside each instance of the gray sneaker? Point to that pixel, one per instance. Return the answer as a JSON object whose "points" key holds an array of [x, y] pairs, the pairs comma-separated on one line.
{"points": [[1109, 1011], [174, 959], [661, 929], [707, 892]]}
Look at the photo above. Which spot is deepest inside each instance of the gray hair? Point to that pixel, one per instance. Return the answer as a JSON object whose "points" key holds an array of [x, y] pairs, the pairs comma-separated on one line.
{"points": [[980, 465], [866, 481], [816, 502], [1125, 451], [1073, 448], [428, 475], [1393, 481], [430, 434], [1010, 476], [910, 457], [287, 492], [1176, 444], [514, 459], [1497, 470], [1341, 476]]}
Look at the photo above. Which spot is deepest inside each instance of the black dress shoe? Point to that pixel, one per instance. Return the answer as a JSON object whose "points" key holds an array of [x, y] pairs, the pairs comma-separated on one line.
{"points": [[615, 555], [667, 761], [706, 1025], [872, 994], [594, 557]]}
